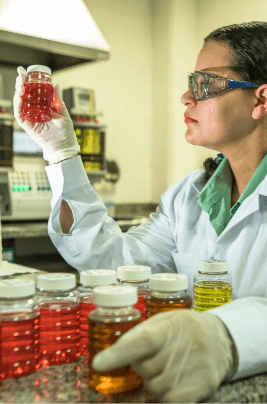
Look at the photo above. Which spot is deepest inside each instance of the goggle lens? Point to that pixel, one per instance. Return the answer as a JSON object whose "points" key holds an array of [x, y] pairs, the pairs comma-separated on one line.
{"points": [[206, 86]]}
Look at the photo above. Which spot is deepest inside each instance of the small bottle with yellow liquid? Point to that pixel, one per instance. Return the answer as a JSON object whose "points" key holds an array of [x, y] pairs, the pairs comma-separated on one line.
{"points": [[168, 292], [114, 315], [212, 285]]}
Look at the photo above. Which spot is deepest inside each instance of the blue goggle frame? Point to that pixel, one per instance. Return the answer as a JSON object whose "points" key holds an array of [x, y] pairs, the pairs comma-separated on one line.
{"points": [[225, 85]]}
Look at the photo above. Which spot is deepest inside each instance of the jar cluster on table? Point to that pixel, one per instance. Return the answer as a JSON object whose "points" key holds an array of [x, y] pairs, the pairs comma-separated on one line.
{"points": [[54, 322]]}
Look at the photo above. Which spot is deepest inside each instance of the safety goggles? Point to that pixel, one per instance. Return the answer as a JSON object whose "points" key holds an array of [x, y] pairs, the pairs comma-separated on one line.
{"points": [[208, 85]]}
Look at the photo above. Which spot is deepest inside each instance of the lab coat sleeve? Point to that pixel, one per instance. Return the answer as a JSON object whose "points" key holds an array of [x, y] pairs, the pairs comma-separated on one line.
{"points": [[246, 321], [95, 240]]}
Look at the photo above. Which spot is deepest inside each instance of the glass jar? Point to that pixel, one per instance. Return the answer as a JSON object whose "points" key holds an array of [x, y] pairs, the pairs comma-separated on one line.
{"points": [[168, 292], [212, 285], [114, 315], [137, 276], [59, 318], [37, 100], [89, 280], [19, 317]]}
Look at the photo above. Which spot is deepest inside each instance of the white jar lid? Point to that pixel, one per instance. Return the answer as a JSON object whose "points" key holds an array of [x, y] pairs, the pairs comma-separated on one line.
{"points": [[98, 277], [168, 282], [17, 288], [213, 266], [39, 68], [56, 281], [133, 273], [115, 296]]}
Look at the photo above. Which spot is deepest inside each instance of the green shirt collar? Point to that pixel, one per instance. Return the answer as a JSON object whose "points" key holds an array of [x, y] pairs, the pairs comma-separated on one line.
{"points": [[215, 197]]}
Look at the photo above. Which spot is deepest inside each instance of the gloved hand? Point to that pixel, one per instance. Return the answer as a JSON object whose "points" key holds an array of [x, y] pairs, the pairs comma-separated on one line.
{"points": [[57, 137], [182, 356]]}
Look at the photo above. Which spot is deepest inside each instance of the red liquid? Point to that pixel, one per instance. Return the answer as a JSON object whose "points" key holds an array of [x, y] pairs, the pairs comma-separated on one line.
{"points": [[141, 306], [85, 308], [59, 333], [19, 346], [37, 102]]}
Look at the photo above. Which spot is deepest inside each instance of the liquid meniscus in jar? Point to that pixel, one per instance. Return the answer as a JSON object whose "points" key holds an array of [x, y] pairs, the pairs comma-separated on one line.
{"points": [[113, 316], [211, 294]]}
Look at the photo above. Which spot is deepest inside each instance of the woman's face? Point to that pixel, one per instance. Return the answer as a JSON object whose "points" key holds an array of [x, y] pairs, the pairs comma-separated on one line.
{"points": [[223, 121]]}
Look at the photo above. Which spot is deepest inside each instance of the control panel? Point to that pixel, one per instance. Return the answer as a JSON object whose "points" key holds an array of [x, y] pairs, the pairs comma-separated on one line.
{"points": [[28, 181], [27, 194]]}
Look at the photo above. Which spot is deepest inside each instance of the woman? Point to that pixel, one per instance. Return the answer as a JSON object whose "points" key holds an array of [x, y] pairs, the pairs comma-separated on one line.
{"points": [[220, 212]]}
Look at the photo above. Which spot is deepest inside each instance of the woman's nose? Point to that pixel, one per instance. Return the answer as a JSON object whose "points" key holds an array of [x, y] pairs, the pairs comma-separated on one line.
{"points": [[187, 97]]}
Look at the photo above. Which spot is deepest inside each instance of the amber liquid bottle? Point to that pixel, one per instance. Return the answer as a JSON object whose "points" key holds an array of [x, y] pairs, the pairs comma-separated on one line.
{"points": [[168, 292], [113, 316]]}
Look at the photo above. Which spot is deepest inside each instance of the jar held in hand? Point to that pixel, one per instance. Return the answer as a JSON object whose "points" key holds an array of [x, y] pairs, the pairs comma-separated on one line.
{"points": [[38, 96]]}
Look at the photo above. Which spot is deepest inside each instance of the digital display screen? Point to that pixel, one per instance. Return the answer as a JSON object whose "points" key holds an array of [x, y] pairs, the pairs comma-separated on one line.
{"points": [[83, 96], [23, 143]]}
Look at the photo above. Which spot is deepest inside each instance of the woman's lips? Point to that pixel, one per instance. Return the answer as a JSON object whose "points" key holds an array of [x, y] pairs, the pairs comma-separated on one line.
{"points": [[189, 120]]}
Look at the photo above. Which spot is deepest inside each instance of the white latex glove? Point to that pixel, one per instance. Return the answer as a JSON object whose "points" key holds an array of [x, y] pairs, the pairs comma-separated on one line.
{"points": [[182, 356], [57, 137]]}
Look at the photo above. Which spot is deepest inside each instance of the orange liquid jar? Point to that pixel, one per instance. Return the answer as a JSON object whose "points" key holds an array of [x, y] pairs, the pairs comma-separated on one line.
{"points": [[168, 292], [113, 316], [137, 276]]}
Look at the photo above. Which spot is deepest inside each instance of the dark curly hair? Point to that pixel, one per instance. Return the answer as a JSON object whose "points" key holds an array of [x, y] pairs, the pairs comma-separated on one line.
{"points": [[248, 48]]}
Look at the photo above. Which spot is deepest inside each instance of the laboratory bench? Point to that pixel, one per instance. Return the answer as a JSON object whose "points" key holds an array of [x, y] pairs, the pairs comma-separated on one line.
{"points": [[68, 383]]}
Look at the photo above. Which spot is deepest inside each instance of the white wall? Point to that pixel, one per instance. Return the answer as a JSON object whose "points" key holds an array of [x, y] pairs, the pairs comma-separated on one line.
{"points": [[154, 44], [123, 90]]}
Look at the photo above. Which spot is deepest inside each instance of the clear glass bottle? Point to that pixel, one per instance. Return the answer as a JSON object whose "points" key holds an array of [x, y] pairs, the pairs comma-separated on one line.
{"points": [[89, 280], [19, 317], [137, 276], [168, 292], [37, 100], [113, 316], [212, 285], [59, 318]]}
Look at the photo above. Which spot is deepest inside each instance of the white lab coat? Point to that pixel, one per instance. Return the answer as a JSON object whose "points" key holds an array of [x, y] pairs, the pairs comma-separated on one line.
{"points": [[174, 239]]}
